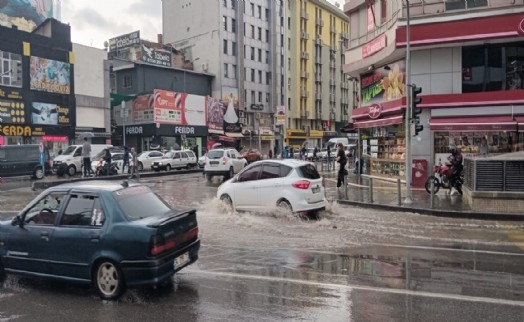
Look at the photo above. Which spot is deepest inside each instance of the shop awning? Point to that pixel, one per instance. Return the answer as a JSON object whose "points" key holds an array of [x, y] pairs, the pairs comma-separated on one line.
{"points": [[225, 138], [398, 119], [234, 134], [116, 99], [520, 121], [480, 123]]}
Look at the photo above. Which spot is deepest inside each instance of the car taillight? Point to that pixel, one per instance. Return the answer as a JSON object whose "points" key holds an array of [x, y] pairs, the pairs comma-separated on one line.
{"points": [[158, 244], [302, 184], [224, 160]]}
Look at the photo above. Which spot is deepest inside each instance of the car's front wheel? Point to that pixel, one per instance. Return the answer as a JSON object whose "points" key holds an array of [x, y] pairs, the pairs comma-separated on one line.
{"points": [[38, 173], [71, 170], [226, 199], [140, 166], [108, 280], [168, 167]]}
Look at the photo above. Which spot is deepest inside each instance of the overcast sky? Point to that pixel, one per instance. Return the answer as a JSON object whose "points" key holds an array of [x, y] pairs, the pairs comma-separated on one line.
{"points": [[95, 21]]}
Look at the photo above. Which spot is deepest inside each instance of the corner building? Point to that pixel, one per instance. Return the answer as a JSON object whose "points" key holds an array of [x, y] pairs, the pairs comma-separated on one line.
{"points": [[468, 58]]}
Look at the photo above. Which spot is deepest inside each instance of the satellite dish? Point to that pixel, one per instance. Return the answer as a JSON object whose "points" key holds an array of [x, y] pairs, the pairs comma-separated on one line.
{"points": [[106, 44]]}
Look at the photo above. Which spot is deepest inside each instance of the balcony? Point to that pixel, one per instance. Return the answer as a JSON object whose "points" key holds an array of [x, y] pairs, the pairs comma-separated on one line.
{"points": [[318, 77], [304, 114], [304, 14], [332, 64], [320, 22], [304, 35], [304, 94], [318, 95], [332, 98], [332, 82], [318, 59], [344, 85], [318, 41], [333, 29], [304, 55], [333, 48], [304, 75]]}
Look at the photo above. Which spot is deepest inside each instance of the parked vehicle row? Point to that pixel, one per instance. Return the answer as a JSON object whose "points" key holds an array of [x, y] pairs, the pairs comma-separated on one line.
{"points": [[19, 160]]}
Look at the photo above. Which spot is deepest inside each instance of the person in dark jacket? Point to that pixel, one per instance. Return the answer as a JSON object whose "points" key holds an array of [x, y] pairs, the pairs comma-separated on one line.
{"points": [[125, 160], [342, 161], [107, 159]]}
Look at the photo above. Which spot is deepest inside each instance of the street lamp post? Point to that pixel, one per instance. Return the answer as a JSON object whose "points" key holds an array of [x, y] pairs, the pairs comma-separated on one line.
{"points": [[409, 196]]}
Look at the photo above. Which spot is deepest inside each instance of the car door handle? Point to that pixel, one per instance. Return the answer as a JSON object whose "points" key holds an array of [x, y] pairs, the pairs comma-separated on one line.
{"points": [[95, 238], [44, 235]]}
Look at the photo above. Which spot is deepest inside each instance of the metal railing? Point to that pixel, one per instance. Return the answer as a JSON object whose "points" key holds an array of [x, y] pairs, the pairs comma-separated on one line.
{"points": [[398, 182]]}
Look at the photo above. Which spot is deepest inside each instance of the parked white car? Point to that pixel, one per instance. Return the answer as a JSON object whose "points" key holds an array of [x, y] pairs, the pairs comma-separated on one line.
{"points": [[223, 162], [117, 157], [146, 159], [70, 160], [290, 184], [176, 160]]}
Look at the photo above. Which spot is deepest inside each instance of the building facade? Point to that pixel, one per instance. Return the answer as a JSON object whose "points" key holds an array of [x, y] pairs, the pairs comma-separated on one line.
{"points": [[37, 101], [468, 58], [317, 33], [164, 100]]}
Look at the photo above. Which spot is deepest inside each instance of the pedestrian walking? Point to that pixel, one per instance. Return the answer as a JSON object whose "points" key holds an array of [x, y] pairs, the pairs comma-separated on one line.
{"points": [[133, 164], [86, 157], [270, 154], [342, 161], [315, 151], [125, 160], [107, 160], [328, 153]]}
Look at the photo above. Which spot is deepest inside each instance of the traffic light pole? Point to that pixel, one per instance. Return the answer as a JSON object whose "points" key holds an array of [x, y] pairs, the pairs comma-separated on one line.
{"points": [[409, 195]]}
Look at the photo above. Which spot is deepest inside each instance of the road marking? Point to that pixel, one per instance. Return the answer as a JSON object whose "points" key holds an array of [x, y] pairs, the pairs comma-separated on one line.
{"points": [[488, 252], [443, 296]]}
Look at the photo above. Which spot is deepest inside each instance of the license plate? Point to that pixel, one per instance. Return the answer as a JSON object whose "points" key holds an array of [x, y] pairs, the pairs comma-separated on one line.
{"points": [[315, 189], [181, 260], [214, 165], [155, 166]]}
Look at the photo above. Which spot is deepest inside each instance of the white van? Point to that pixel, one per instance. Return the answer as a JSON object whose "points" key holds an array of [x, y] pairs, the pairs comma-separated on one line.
{"points": [[71, 159], [334, 141]]}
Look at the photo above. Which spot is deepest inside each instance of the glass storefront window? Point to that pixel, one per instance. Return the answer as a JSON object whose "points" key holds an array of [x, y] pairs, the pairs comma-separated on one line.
{"points": [[469, 142]]}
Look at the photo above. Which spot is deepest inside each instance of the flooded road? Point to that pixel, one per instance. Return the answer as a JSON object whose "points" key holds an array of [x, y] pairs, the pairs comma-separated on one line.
{"points": [[351, 265]]}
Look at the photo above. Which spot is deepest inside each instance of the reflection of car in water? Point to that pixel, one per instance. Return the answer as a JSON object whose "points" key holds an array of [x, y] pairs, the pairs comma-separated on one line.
{"points": [[102, 233]]}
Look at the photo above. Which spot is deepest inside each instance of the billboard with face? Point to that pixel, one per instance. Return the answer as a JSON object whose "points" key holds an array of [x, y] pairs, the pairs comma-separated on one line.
{"points": [[26, 15]]}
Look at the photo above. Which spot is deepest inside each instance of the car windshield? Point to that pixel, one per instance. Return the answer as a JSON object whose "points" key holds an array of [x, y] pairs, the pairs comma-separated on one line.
{"points": [[143, 154], [215, 154], [69, 150], [308, 171], [140, 202], [168, 155]]}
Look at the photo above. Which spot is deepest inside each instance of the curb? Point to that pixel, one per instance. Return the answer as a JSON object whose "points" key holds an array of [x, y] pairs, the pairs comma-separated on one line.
{"points": [[40, 185], [435, 212]]}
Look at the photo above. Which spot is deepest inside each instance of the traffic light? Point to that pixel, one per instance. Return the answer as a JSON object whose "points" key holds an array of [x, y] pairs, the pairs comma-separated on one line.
{"points": [[415, 110]]}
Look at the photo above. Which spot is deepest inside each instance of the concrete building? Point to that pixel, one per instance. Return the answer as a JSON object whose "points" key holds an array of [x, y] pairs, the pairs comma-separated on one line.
{"points": [[317, 33], [92, 93], [468, 58], [243, 43]]}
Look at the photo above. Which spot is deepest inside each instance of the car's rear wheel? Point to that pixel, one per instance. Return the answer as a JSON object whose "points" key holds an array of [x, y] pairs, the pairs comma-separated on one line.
{"points": [[168, 167], [285, 206], [71, 170], [226, 199], [140, 166], [38, 173], [108, 280]]}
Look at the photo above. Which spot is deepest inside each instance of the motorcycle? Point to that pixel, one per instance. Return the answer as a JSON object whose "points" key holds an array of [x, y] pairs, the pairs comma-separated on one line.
{"points": [[101, 169], [441, 178]]}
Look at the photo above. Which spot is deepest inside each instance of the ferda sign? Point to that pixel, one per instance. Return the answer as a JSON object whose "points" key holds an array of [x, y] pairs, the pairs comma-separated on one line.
{"points": [[184, 130], [16, 130], [134, 130], [374, 111]]}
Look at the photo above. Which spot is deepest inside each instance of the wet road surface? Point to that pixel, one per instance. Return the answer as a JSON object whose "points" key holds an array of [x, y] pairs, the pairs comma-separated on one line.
{"points": [[351, 265]]}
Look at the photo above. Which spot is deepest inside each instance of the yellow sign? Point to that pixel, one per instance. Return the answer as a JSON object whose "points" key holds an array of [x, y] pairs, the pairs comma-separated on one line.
{"points": [[316, 133], [295, 133], [267, 137], [20, 130]]}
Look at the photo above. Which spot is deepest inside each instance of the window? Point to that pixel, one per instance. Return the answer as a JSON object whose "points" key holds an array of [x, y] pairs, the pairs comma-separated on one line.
{"points": [[259, 11], [308, 171], [183, 155], [259, 54], [252, 9], [234, 48], [224, 22], [259, 33], [268, 78], [268, 97], [234, 74], [260, 76], [253, 32], [259, 97], [252, 53], [44, 212], [224, 3], [128, 81], [253, 96], [83, 210], [252, 75], [267, 14], [250, 174], [233, 4], [225, 46], [267, 57], [267, 35], [270, 171], [233, 25], [225, 70], [10, 69]]}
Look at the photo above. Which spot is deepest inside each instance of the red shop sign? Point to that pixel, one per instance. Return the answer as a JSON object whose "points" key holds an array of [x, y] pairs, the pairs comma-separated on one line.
{"points": [[374, 111], [55, 138]]}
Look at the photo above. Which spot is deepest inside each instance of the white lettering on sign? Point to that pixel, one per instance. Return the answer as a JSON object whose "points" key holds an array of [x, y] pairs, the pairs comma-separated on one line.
{"points": [[134, 130], [184, 130]]}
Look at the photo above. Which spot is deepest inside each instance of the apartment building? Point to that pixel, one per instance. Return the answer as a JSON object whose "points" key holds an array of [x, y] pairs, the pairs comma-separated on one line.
{"points": [[468, 58], [317, 33], [236, 41]]}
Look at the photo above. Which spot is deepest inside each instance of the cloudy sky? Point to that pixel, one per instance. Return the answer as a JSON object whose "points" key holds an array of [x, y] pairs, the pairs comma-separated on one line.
{"points": [[95, 21]]}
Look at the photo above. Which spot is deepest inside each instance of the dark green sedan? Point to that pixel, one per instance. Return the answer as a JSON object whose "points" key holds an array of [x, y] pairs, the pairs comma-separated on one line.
{"points": [[105, 233]]}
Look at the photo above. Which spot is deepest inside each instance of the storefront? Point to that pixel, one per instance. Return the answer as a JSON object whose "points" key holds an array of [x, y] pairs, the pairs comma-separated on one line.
{"points": [[55, 138], [297, 138]]}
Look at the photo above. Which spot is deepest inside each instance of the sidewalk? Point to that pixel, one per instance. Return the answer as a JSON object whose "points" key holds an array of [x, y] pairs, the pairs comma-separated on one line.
{"points": [[385, 197]]}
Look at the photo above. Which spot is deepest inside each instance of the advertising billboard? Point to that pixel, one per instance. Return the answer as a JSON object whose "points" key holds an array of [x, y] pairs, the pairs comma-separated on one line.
{"points": [[143, 111], [230, 102], [154, 55], [48, 75], [49, 114], [215, 115], [26, 15], [281, 115], [383, 84], [11, 107], [124, 41], [179, 108]]}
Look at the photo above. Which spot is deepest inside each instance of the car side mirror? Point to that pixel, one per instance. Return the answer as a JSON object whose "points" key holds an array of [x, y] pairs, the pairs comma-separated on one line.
{"points": [[17, 221]]}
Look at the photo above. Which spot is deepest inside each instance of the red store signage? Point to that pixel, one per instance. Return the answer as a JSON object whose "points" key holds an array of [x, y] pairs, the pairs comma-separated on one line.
{"points": [[374, 111], [54, 138], [374, 46]]}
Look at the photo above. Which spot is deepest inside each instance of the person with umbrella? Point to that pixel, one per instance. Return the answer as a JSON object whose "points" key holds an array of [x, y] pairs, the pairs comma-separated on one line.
{"points": [[86, 157]]}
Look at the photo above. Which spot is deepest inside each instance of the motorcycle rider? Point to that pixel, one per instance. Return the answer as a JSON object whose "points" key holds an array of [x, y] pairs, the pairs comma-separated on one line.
{"points": [[456, 162]]}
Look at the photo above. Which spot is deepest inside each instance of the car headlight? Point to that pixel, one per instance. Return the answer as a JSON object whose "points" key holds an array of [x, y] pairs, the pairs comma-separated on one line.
{"points": [[160, 163]]}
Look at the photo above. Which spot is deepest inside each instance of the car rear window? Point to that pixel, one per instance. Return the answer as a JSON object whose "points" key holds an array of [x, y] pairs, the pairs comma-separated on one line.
{"points": [[140, 202], [308, 171], [215, 154]]}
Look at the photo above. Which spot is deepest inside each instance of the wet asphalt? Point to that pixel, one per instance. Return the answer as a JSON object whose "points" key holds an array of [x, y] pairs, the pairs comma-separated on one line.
{"points": [[353, 264]]}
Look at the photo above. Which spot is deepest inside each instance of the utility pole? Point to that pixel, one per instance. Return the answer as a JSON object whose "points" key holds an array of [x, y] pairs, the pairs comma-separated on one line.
{"points": [[409, 195], [123, 114]]}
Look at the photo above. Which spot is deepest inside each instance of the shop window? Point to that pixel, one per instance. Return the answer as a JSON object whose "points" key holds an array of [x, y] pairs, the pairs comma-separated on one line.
{"points": [[465, 4], [10, 69], [128, 81]]}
